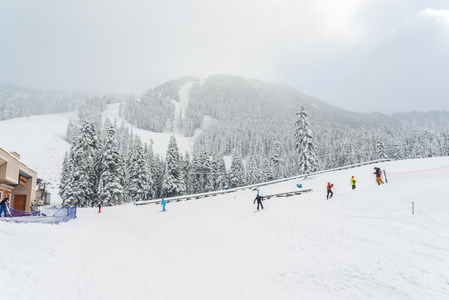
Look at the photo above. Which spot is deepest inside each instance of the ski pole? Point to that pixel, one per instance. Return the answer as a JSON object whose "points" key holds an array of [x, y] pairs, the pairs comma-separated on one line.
{"points": [[336, 190], [7, 207]]}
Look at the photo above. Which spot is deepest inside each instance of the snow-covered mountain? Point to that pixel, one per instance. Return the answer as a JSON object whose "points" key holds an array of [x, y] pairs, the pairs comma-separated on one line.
{"points": [[361, 244]]}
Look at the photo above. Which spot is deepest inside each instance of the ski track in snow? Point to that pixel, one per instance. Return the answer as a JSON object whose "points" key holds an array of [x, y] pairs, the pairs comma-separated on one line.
{"points": [[361, 244], [183, 99], [159, 140]]}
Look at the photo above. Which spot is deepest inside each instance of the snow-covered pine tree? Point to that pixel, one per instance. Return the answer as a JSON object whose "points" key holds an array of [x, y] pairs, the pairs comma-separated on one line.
{"points": [[65, 176], [158, 175], [185, 163], [173, 184], [81, 184], [111, 190], [348, 155], [202, 173], [138, 173], [219, 167], [195, 182], [149, 157], [206, 168], [267, 174], [252, 175], [398, 151], [380, 147], [236, 171], [276, 159], [304, 144], [72, 132]]}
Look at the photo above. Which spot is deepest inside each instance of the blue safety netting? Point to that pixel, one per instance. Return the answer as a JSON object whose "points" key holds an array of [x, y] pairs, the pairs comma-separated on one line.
{"points": [[47, 215]]}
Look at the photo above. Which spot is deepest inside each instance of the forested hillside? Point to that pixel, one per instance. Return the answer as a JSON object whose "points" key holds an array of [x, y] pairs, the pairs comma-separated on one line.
{"points": [[16, 101], [250, 117]]}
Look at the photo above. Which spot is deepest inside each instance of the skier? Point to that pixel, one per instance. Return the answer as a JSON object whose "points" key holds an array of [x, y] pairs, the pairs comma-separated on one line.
{"points": [[163, 204], [3, 206], [378, 174], [259, 201], [329, 190], [99, 207], [353, 181]]}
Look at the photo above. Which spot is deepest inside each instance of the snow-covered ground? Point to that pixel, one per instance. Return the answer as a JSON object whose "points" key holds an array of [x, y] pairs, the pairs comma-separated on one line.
{"points": [[362, 244]]}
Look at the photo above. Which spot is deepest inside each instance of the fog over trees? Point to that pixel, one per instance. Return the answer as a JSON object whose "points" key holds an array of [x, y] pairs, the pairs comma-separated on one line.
{"points": [[253, 123]]}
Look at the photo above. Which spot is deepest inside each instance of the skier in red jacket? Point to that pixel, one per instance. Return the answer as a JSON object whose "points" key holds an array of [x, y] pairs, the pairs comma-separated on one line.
{"points": [[329, 190]]}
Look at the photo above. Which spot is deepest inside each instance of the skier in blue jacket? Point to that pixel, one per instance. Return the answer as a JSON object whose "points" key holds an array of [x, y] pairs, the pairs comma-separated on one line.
{"points": [[3, 206], [163, 204]]}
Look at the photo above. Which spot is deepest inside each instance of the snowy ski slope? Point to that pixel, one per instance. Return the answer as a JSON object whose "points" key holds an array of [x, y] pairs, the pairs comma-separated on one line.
{"points": [[362, 244]]}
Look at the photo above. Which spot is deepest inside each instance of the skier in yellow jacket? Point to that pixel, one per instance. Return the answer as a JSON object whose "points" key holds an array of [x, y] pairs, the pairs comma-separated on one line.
{"points": [[353, 181]]}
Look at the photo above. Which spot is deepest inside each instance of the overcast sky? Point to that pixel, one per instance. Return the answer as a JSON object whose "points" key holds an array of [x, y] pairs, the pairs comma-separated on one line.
{"points": [[372, 55]]}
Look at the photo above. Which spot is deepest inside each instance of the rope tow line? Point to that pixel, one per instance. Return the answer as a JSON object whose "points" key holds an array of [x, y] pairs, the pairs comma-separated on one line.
{"points": [[439, 210], [421, 171]]}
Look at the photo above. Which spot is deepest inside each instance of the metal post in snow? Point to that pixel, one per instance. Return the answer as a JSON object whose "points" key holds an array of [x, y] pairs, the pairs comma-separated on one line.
{"points": [[413, 208]]}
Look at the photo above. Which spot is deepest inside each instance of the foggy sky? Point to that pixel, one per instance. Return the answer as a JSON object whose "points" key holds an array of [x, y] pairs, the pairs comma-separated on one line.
{"points": [[373, 55]]}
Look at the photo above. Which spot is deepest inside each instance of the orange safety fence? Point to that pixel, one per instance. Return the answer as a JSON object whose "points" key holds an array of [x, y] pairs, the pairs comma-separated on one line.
{"points": [[411, 172]]}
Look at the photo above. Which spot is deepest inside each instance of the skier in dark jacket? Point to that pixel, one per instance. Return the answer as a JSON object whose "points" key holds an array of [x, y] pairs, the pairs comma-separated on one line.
{"points": [[329, 190], [3, 206], [259, 201], [377, 172]]}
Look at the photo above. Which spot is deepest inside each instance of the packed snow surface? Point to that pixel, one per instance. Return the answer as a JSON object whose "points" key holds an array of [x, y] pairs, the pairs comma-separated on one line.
{"points": [[361, 244]]}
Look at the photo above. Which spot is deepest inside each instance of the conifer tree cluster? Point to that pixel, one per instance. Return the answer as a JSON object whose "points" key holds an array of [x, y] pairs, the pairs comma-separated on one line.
{"points": [[110, 166]]}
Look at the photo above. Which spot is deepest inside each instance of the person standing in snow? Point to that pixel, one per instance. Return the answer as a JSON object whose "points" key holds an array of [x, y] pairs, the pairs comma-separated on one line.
{"points": [[99, 207], [329, 191], [259, 201], [377, 172], [353, 181], [3, 206], [163, 202]]}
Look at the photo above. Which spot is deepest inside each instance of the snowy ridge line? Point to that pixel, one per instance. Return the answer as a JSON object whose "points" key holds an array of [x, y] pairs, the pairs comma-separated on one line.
{"points": [[254, 186]]}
